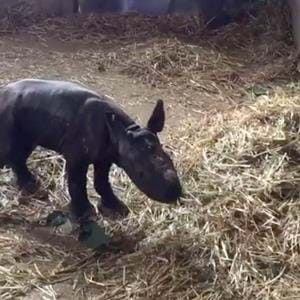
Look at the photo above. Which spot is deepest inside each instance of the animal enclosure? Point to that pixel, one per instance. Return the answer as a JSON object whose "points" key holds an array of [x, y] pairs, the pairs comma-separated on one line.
{"points": [[232, 105]]}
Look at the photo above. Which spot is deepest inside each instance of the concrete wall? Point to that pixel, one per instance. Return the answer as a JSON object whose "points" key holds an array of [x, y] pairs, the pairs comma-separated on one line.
{"points": [[149, 7], [295, 11], [190, 7]]}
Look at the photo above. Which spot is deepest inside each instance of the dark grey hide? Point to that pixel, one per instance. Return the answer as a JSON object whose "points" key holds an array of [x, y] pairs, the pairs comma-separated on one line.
{"points": [[86, 128]]}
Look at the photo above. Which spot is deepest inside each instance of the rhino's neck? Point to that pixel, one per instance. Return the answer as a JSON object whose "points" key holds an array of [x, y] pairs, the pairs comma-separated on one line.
{"points": [[111, 107], [128, 122]]}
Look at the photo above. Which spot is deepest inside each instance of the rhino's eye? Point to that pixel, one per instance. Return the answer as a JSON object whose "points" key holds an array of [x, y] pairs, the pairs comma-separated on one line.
{"points": [[159, 160], [150, 147], [147, 148]]}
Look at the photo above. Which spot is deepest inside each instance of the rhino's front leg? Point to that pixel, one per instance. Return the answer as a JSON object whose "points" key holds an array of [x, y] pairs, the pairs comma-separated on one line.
{"points": [[109, 203], [80, 205]]}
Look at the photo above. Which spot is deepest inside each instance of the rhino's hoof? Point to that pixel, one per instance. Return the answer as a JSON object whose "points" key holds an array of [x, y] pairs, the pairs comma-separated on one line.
{"points": [[118, 209]]}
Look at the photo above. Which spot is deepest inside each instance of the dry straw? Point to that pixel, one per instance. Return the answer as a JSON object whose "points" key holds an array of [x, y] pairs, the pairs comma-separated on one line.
{"points": [[237, 233]]}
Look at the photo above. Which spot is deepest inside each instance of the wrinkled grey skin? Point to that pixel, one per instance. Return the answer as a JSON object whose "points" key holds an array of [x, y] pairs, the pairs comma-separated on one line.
{"points": [[86, 128]]}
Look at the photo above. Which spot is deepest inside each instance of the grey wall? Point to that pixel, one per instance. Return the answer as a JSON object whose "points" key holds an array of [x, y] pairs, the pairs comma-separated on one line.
{"points": [[149, 7], [295, 10]]}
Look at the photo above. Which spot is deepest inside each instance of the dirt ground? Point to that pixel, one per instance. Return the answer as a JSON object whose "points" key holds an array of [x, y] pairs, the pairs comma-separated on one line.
{"points": [[32, 54], [24, 56]]}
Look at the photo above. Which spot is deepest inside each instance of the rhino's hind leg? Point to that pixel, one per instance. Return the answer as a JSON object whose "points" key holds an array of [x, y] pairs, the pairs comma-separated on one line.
{"points": [[17, 157]]}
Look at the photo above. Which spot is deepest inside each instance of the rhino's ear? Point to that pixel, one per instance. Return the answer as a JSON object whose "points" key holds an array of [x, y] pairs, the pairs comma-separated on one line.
{"points": [[157, 119], [116, 128]]}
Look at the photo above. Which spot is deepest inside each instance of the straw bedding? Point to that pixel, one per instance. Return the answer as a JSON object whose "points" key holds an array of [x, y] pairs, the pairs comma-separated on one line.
{"points": [[236, 234]]}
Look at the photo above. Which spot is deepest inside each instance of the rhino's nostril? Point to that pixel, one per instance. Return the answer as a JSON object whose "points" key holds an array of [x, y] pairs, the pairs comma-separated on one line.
{"points": [[173, 192]]}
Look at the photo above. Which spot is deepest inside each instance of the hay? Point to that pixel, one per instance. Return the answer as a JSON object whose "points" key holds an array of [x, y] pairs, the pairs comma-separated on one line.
{"points": [[178, 52], [236, 234], [19, 13], [230, 63], [245, 171]]}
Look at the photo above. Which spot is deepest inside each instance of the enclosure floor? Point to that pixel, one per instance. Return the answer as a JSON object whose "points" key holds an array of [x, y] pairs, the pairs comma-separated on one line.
{"points": [[213, 75], [23, 56]]}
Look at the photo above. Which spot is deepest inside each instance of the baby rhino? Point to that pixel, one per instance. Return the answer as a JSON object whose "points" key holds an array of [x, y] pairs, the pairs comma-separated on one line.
{"points": [[86, 128]]}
